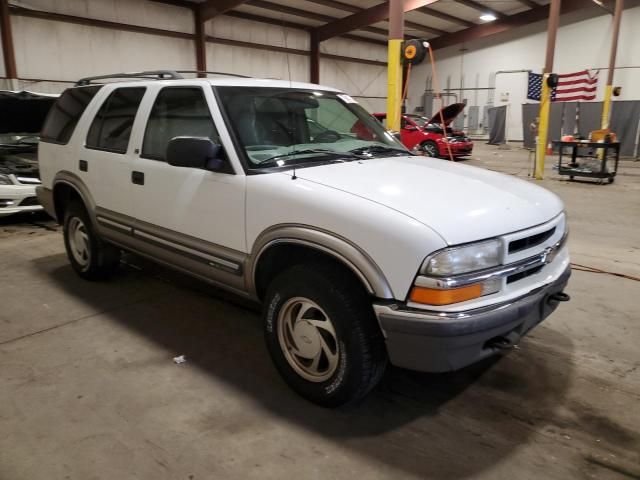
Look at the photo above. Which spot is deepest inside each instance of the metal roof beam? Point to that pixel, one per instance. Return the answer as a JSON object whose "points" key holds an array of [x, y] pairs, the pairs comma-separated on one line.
{"points": [[481, 8], [213, 8], [294, 25], [368, 16], [514, 21]]}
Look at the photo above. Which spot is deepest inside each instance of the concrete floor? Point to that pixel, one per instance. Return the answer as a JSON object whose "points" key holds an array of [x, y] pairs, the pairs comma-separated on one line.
{"points": [[88, 388]]}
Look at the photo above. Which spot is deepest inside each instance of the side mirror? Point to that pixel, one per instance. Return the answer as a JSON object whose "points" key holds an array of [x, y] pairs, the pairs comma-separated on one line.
{"points": [[194, 152], [411, 128]]}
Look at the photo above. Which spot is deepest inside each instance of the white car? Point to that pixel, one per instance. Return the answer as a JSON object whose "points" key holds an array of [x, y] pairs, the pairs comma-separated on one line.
{"points": [[23, 114], [360, 252], [18, 175]]}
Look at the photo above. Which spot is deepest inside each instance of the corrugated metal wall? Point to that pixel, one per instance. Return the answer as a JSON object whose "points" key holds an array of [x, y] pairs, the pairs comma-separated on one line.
{"points": [[54, 50]]}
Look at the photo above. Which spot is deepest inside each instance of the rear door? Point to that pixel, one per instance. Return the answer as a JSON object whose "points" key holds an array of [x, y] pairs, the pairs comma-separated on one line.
{"points": [[106, 154]]}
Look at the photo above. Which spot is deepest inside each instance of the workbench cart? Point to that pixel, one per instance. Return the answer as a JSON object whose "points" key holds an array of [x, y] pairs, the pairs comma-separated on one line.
{"points": [[584, 159]]}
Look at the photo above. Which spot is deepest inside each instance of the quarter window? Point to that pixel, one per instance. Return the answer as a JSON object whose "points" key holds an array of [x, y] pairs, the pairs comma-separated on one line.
{"points": [[178, 111], [111, 128], [65, 113]]}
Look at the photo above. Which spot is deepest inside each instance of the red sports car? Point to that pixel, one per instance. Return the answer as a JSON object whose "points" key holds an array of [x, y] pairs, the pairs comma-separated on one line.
{"points": [[427, 135]]}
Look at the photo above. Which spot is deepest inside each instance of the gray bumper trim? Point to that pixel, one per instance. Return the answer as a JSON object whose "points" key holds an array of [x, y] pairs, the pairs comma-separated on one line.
{"points": [[436, 342]]}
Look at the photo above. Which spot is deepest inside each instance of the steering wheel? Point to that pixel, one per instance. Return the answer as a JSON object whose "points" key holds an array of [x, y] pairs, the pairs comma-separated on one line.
{"points": [[328, 136]]}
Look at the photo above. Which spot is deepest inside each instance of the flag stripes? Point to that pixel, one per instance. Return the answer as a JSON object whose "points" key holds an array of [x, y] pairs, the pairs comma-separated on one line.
{"points": [[580, 85]]}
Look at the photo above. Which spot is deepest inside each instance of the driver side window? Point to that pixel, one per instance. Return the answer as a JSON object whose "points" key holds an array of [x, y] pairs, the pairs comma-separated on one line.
{"points": [[177, 111]]}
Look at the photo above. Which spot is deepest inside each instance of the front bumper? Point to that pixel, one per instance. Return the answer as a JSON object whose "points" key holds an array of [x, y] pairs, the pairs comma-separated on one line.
{"points": [[438, 342], [16, 199], [460, 149]]}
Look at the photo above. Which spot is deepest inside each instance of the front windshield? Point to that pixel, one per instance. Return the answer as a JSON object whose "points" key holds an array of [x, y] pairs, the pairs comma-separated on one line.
{"points": [[281, 127], [420, 121]]}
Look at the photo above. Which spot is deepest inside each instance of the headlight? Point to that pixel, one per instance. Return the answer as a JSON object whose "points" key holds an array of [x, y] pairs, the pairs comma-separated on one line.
{"points": [[431, 288], [469, 258], [5, 180]]}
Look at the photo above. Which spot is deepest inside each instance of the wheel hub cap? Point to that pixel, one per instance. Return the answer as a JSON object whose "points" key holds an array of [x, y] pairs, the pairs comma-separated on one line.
{"points": [[308, 339], [79, 242]]}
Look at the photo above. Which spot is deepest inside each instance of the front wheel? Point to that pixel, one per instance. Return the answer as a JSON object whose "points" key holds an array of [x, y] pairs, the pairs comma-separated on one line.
{"points": [[430, 149], [90, 256], [322, 335]]}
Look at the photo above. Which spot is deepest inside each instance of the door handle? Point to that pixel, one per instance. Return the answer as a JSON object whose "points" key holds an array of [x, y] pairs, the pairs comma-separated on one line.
{"points": [[137, 177]]}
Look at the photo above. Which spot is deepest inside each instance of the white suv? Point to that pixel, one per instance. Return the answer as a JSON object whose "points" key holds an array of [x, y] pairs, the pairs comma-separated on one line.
{"points": [[292, 194]]}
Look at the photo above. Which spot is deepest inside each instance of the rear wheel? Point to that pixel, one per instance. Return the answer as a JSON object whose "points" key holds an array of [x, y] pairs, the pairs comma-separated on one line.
{"points": [[322, 335], [90, 256], [430, 149]]}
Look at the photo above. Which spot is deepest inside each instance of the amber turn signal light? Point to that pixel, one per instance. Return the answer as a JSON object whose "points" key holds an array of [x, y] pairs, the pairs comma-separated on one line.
{"points": [[433, 296]]}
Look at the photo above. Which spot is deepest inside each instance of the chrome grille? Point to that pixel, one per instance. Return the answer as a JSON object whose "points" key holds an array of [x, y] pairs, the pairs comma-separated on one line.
{"points": [[532, 241]]}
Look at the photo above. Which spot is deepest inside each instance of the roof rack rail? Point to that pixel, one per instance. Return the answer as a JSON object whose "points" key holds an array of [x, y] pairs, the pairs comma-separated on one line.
{"points": [[213, 73], [151, 74]]}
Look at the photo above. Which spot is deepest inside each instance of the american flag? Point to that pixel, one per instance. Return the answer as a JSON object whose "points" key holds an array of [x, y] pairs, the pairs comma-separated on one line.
{"points": [[571, 86]]}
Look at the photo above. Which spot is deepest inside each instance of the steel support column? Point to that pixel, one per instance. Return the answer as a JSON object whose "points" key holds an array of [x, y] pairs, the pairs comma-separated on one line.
{"points": [[606, 105], [545, 97], [394, 65], [200, 42], [11, 72], [314, 58]]}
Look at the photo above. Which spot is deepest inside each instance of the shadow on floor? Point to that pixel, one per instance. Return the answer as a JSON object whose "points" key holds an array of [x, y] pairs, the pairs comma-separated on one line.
{"points": [[433, 426]]}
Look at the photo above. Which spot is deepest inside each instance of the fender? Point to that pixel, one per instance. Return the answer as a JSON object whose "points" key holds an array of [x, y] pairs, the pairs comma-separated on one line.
{"points": [[340, 248], [74, 181]]}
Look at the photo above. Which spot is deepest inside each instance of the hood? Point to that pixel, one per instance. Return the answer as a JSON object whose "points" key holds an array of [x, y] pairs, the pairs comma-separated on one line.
{"points": [[450, 112], [460, 202], [23, 112]]}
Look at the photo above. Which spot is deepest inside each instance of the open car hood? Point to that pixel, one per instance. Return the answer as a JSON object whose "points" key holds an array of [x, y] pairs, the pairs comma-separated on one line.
{"points": [[23, 112], [449, 113]]}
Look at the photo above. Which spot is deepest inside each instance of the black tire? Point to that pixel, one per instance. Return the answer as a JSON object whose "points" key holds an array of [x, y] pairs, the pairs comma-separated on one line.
{"points": [[360, 354], [612, 179], [91, 257], [430, 149]]}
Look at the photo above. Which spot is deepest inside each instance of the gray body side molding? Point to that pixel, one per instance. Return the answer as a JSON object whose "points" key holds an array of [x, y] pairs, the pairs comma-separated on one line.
{"points": [[144, 239], [342, 249]]}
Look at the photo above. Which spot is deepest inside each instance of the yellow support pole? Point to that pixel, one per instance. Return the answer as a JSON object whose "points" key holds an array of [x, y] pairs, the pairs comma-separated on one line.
{"points": [[543, 127], [545, 95], [606, 106], [394, 85]]}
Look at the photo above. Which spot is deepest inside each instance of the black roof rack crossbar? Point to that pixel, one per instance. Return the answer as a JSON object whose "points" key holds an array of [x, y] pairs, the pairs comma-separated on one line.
{"points": [[213, 73], [151, 74]]}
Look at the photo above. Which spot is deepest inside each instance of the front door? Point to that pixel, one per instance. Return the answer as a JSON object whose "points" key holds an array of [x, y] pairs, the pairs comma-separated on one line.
{"points": [[188, 216]]}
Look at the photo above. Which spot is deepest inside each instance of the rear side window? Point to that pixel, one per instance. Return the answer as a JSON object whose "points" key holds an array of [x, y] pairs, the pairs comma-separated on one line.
{"points": [[177, 111], [111, 127], [65, 113]]}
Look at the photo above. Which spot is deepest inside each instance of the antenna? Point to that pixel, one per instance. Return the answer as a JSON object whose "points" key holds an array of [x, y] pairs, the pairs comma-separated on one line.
{"points": [[284, 37]]}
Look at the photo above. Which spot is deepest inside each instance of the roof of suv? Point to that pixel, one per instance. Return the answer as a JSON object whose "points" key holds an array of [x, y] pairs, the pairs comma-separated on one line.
{"points": [[175, 77], [227, 82]]}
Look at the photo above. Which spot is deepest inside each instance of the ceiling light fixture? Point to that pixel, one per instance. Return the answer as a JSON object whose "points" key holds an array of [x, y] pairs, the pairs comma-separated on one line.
{"points": [[488, 17]]}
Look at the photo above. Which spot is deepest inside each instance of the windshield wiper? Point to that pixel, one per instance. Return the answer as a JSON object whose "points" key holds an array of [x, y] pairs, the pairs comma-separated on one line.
{"points": [[307, 151], [372, 149]]}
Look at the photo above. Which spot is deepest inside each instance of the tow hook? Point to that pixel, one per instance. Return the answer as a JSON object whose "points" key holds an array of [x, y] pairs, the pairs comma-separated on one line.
{"points": [[504, 342], [558, 297]]}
